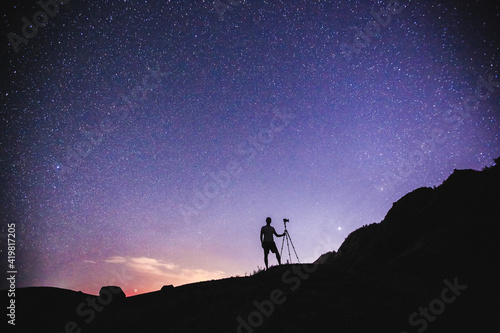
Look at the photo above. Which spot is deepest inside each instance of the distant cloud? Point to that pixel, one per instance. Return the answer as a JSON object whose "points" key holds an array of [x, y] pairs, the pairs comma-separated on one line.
{"points": [[89, 262], [160, 268], [116, 260], [146, 263]]}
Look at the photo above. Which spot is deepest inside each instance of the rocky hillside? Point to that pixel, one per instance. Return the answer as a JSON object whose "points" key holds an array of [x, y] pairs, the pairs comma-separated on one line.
{"points": [[459, 220]]}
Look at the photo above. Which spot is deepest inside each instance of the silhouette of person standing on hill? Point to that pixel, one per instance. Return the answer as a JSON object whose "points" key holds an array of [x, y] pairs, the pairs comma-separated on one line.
{"points": [[266, 237]]}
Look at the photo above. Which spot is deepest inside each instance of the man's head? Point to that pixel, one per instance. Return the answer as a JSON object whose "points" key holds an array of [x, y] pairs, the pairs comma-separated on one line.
{"points": [[268, 221]]}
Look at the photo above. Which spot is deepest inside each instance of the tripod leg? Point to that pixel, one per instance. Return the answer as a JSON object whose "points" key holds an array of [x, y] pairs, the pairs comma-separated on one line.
{"points": [[293, 249], [288, 246], [282, 243]]}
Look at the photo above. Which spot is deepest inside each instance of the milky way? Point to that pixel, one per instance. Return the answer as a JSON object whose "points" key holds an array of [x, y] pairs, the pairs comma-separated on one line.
{"points": [[145, 142]]}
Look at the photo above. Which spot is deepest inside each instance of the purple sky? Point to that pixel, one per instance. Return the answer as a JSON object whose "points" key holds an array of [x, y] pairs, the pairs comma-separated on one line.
{"points": [[145, 143]]}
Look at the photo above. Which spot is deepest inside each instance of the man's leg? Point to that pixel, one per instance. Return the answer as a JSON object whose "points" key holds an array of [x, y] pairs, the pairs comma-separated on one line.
{"points": [[266, 253], [275, 250]]}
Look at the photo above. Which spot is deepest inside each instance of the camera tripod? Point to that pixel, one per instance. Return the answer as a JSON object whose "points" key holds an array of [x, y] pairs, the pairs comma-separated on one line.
{"points": [[288, 242]]}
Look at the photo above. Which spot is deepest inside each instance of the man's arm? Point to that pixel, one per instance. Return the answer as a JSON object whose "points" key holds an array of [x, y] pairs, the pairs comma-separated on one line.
{"points": [[276, 234], [261, 234]]}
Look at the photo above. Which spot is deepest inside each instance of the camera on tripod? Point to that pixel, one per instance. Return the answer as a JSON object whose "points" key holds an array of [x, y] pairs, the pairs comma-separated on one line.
{"points": [[288, 240]]}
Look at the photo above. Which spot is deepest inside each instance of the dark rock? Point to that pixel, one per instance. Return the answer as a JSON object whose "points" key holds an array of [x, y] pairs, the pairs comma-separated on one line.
{"points": [[326, 258], [167, 288], [115, 292]]}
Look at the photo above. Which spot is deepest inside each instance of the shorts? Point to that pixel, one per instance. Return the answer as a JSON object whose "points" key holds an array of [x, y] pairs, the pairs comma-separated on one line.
{"points": [[269, 246]]}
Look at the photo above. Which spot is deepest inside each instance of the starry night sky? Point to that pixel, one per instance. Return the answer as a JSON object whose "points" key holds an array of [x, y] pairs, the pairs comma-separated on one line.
{"points": [[143, 143]]}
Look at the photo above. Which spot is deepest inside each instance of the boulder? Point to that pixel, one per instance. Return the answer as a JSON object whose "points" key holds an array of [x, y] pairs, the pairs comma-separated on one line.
{"points": [[116, 292]]}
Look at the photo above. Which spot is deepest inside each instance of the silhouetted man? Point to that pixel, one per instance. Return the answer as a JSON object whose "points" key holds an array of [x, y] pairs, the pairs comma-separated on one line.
{"points": [[266, 237]]}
